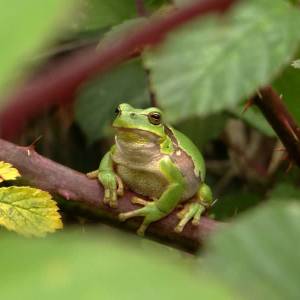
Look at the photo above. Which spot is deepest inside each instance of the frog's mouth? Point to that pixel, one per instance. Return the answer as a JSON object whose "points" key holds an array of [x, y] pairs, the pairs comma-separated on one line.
{"points": [[134, 135]]}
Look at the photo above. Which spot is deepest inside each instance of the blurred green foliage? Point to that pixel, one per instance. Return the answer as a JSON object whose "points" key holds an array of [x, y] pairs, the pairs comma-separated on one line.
{"points": [[99, 265], [259, 255], [24, 26], [97, 14]]}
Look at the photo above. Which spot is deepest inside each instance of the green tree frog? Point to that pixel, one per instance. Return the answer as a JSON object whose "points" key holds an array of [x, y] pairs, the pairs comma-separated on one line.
{"points": [[154, 160]]}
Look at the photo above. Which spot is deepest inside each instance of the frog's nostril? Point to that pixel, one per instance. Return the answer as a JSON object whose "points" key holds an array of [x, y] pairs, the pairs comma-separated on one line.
{"points": [[132, 115]]}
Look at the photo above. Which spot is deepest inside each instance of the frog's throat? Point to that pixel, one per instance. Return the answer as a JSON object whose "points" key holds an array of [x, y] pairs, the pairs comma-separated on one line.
{"points": [[131, 140]]}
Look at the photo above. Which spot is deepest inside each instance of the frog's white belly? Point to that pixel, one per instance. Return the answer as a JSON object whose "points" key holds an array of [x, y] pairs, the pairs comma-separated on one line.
{"points": [[151, 184]]}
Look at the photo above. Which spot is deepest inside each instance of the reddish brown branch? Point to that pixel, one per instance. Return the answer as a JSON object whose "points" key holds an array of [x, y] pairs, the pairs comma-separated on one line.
{"points": [[283, 123], [60, 82], [74, 186]]}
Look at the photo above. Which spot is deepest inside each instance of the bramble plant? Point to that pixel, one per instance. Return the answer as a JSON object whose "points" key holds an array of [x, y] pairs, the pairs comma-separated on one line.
{"points": [[224, 72], [26, 210]]}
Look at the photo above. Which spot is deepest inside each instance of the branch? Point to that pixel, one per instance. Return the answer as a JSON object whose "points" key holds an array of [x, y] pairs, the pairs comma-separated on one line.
{"points": [[283, 123], [74, 186], [60, 82]]}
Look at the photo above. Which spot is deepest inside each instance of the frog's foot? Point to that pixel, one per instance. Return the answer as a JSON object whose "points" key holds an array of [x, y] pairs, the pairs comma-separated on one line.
{"points": [[190, 211], [150, 211], [113, 187]]}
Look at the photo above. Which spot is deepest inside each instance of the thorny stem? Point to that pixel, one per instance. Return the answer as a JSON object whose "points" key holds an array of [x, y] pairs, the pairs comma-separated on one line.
{"points": [[283, 123], [61, 81], [74, 186]]}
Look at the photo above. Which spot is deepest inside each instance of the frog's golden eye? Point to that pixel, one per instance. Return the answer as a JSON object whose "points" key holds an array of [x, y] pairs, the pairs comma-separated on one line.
{"points": [[155, 118]]}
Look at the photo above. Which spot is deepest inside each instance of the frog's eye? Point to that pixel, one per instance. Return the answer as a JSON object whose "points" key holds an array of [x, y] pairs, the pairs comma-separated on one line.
{"points": [[117, 111], [155, 118]]}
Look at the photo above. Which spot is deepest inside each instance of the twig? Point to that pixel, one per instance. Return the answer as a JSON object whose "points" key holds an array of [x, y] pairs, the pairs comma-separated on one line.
{"points": [[60, 82], [283, 123], [74, 186]]}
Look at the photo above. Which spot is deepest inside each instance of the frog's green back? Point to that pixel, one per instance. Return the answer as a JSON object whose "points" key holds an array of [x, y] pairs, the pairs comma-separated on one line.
{"points": [[190, 148]]}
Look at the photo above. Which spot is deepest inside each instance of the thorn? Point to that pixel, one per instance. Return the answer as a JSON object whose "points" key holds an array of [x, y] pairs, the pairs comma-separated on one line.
{"points": [[247, 105], [66, 194], [259, 94], [214, 202], [32, 145]]}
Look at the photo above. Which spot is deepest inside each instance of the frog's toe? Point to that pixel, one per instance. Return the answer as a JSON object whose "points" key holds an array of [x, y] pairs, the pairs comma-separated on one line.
{"points": [[120, 189], [131, 214], [182, 212], [197, 216], [110, 198], [142, 229], [113, 199], [138, 200], [106, 196]]}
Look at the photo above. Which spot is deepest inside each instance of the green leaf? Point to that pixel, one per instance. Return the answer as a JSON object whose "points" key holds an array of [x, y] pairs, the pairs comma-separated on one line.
{"points": [[81, 265], [24, 25], [288, 85], [121, 30], [203, 130], [103, 13], [254, 118], [97, 14], [233, 203], [258, 255], [283, 191], [8, 172], [212, 64], [97, 100], [28, 211]]}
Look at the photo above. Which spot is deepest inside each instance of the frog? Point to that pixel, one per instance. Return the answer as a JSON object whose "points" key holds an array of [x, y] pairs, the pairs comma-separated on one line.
{"points": [[158, 163]]}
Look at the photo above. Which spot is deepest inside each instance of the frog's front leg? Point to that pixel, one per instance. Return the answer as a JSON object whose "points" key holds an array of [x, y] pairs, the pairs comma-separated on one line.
{"points": [[111, 182], [156, 210]]}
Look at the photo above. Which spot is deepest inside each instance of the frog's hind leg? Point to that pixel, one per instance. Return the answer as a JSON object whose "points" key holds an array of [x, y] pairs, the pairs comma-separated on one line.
{"points": [[190, 211], [193, 210]]}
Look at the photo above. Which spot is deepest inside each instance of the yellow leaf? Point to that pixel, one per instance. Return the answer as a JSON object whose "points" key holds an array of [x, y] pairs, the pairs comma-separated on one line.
{"points": [[28, 211], [7, 172]]}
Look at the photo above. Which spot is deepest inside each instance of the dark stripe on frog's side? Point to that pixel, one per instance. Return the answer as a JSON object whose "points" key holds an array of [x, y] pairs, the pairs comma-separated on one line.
{"points": [[185, 163], [182, 142]]}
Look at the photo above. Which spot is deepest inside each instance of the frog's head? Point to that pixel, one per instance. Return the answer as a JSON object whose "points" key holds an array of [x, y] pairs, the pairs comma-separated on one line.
{"points": [[147, 122]]}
